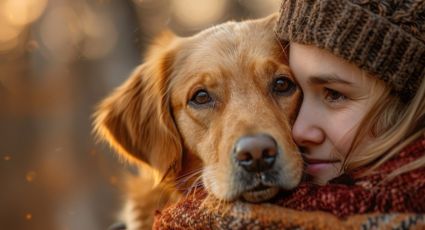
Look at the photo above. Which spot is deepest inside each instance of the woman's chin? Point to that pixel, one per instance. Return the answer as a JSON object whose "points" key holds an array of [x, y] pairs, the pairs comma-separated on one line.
{"points": [[321, 174]]}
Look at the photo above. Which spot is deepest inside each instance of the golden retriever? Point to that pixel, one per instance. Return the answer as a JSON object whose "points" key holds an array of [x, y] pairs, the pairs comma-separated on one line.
{"points": [[218, 107]]}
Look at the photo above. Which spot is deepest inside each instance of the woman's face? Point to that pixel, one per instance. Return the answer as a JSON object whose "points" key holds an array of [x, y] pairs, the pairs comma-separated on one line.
{"points": [[336, 96]]}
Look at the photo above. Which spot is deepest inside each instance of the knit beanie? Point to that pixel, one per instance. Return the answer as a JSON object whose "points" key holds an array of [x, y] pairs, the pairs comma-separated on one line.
{"points": [[386, 38]]}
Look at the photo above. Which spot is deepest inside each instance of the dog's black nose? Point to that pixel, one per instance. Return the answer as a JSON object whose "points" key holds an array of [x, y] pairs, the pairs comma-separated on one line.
{"points": [[256, 153]]}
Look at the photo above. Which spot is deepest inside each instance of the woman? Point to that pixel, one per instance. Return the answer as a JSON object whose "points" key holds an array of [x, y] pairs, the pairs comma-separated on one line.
{"points": [[360, 65], [355, 61], [361, 124]]}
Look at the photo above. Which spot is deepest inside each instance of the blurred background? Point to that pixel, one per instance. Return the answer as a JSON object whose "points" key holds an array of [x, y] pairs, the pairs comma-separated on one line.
{"points": [[58, 59]]}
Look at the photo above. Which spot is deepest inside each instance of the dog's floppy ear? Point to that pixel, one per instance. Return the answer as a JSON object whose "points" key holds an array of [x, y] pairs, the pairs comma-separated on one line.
{"points": [[136, 119]]}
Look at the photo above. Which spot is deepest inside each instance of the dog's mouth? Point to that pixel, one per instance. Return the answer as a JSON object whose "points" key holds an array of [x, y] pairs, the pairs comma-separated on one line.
{"points": [[260, 193]]}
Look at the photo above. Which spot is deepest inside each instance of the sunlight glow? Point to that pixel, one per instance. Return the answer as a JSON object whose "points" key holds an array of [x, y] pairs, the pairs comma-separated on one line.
{"points": [[198, 13], [28, 216], [23, 12], [7, 31], [64, 32], [30, 176], [15, 16], [59, 32], [100, 35]]}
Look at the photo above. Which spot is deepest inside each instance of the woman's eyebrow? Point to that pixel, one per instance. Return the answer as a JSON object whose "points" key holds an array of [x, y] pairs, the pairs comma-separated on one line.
{"points": [[327, 79]]}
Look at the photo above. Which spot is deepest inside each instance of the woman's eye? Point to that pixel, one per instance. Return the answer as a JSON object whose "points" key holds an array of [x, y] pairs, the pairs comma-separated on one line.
{"points": [[201, 97], [283, 85], [334, 96]]}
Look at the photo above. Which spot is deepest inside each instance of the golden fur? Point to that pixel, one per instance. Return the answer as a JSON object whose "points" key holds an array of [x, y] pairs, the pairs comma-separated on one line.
{"points": [[151, 122]]}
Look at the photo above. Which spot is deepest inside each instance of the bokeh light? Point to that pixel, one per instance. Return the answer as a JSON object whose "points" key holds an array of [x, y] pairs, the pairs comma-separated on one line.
{"points": [[60, 32], [59, 59], [30, 176], [8, 31], [22, 12], [85, 32], [261, 8], [28, 216], [15, 16], [96, 28], [198, 13]]}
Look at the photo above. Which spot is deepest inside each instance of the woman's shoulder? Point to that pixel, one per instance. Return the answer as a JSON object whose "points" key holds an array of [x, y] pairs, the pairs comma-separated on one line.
{"points": [[374, 192], [410, 157], [399, 183], [413, 152]]}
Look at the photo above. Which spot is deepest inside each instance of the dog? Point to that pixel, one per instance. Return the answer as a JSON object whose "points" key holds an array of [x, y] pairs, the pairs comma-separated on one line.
{"points": [[215, 108]]}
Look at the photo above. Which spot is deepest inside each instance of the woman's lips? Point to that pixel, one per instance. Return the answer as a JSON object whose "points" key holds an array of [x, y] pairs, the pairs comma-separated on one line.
{"points": [[319, 161], [315, 166]]}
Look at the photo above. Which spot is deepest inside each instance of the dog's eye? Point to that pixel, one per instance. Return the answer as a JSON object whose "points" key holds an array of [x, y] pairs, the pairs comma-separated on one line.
{"points": [[201, 97], [282, 85]]}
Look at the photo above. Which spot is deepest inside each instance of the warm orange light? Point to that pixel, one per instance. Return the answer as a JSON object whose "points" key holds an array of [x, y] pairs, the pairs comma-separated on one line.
{"points": [[28, 216], [30, 176], [23, 12], [198, 13], [100, 35], [9, 45], [7, 31], [60, 32], [7, 158]]}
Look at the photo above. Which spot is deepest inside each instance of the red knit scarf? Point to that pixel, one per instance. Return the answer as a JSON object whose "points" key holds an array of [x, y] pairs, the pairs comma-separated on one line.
{"points": [[360, 202], [405, 193]]}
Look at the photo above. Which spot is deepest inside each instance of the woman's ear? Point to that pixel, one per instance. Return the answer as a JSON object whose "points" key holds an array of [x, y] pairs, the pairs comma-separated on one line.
{"points": [[136, 119]]}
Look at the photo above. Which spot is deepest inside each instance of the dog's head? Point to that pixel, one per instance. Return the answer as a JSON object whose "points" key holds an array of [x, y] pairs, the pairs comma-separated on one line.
{"points": [[222, 100]]}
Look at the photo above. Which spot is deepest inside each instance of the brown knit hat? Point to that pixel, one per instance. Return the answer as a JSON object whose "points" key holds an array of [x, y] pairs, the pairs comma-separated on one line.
{"points": [[384, 37]]}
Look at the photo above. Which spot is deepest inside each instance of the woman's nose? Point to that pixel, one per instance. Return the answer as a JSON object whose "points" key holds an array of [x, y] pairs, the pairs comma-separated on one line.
{"points": [[307, 129]]}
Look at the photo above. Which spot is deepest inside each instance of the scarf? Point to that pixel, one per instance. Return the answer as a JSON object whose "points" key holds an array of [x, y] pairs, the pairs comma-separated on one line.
{"points": [[354, 201]]}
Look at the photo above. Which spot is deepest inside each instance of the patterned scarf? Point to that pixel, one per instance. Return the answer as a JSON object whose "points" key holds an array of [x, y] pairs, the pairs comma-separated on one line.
{"points": [[347, 202]]}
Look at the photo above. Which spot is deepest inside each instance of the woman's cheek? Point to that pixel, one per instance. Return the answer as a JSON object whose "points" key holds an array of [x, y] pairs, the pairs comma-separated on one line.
{"points": [[343, 135]]}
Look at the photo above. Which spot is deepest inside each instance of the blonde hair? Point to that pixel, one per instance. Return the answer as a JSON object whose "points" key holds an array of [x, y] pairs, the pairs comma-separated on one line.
{"points": [[394, 124]]}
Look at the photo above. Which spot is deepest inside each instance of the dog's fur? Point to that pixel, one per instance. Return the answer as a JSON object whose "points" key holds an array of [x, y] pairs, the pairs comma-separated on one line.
{"points": [[151, 120]]}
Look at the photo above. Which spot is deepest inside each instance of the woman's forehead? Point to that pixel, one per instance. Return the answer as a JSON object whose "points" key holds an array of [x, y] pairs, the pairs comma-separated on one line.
{"points": [[311, 62]]}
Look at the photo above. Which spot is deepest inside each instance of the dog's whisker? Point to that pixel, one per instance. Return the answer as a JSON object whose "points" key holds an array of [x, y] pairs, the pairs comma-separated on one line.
{"points": [[195, 177], [189, 174], [196, 184], [187, 177]]}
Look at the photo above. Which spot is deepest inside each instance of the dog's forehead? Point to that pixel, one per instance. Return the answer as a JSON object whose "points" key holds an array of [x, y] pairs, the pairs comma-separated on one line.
{"points": [[231, 46], [230, 55], [233, 40]]}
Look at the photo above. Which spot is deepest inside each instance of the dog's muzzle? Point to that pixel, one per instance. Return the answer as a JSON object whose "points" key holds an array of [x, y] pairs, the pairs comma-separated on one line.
{"points": [[256, 155]]}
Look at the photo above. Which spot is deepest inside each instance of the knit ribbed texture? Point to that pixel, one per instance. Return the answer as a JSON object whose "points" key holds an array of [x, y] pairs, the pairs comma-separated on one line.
{"points": [[365, 202], [386, 37]]}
